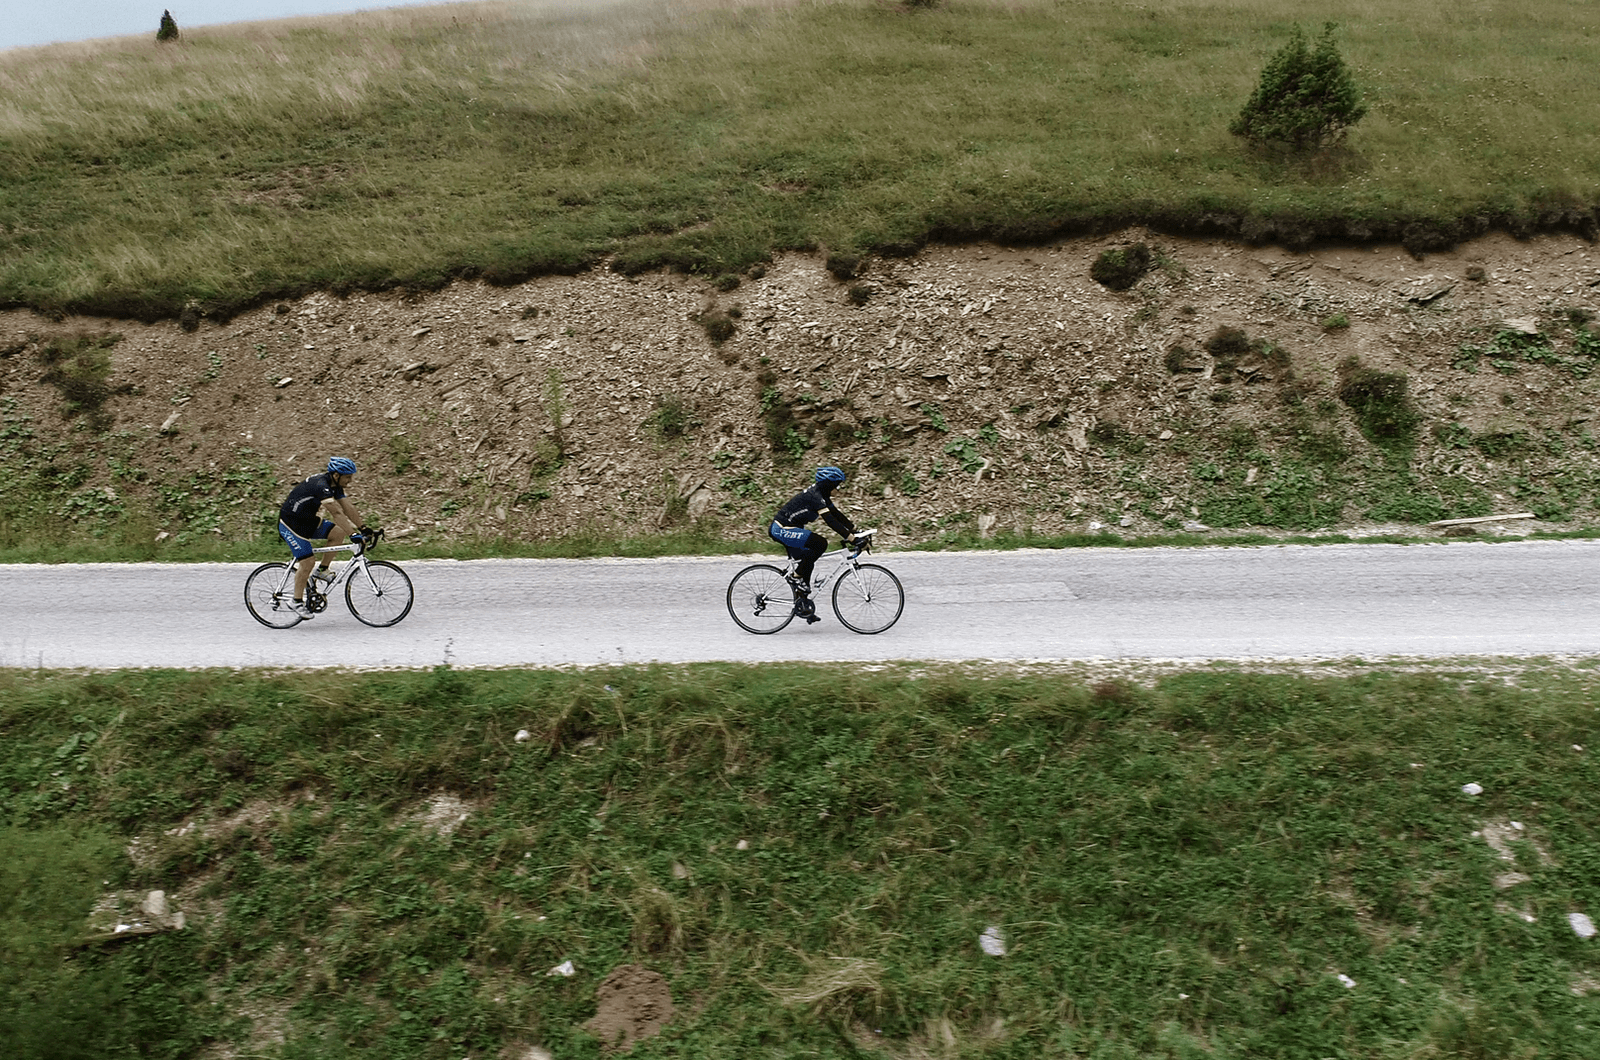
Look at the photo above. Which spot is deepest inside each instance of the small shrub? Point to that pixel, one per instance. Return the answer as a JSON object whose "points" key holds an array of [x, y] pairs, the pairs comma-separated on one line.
{"points": [[1337, 322], [1107, 431], [673, 417], [718, 325], [1121, 267], [1380, 402], [843, 266], [402, 452], [1305, 99], [1176, 359], [168, 30], [860, 293], [1476, 274], [757, 271], [839, 433], [529, 312], [1227, 344], [1272, 355], [79, 368], [726, 282]]}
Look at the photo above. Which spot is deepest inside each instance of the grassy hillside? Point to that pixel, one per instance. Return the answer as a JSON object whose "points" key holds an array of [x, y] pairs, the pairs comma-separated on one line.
{"points": [[377, 866], [506, 140]]}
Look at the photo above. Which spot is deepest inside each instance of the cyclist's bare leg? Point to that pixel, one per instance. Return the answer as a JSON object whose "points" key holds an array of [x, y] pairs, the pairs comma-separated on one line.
{"points": [[302, 574], [335, 537]]}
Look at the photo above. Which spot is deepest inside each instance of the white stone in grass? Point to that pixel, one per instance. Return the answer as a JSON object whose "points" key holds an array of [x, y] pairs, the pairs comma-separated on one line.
{"points": [[1349, 983], [1472, 789], [523, 736], [1582, 926], [992, 941], [564, 969]]}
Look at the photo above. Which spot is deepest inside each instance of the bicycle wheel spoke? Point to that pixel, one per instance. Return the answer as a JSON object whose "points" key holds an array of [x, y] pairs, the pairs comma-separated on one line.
{"points": [[268, 592], [380, 594], [760, 600], [868, 599]]}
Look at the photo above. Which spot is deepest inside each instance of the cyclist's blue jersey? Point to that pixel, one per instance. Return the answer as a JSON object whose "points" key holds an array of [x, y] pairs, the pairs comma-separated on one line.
{"points": [[808, 505], [302, 509]]}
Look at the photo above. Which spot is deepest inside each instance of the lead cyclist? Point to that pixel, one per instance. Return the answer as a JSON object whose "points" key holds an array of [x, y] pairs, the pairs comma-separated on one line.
{"points": [[300, 520], [807, 546]]}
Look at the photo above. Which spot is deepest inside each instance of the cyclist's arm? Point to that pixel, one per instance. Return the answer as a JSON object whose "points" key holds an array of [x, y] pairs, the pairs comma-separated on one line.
{"points": [[839, 521], [341, 514]]}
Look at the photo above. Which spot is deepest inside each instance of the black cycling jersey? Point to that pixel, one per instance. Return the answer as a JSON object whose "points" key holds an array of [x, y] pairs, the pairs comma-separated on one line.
{"points": [[302, 509], [809, 504]]}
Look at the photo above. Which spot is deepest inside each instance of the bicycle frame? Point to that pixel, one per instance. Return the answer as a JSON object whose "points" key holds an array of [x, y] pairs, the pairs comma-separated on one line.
{"points": [[850, 557], [357, 559]]}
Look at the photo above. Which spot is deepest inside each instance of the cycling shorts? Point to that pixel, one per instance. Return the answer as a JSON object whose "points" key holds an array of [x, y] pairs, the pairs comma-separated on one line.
{"points": [[299, 545], [797, 539]]}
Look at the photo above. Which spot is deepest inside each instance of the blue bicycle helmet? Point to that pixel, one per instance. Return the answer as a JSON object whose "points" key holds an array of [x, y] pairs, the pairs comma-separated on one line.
{"points": [[830, 476], [341, 465]]}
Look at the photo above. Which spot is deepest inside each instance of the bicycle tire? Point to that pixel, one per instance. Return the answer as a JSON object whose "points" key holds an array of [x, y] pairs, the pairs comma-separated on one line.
{"points": [[264, 600], [384, 593], [868, 598], [760, 599]]}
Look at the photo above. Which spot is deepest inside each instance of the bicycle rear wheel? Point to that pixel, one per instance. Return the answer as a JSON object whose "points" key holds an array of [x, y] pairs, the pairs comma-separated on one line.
{"points": [[760, 599], [868, 599], [269, 594], [379, 596]]}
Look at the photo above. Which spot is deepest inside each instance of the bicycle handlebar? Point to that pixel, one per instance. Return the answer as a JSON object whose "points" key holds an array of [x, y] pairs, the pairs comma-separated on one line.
{"points": [[368, 539]]}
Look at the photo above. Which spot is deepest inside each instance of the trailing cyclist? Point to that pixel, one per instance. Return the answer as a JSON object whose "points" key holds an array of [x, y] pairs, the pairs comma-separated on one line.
{"points": [[300, 520], [806, 546]]}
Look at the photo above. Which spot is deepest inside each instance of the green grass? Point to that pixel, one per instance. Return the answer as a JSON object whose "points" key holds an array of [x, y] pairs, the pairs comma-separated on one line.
{"points": [[1183, 865], [413, 146]]}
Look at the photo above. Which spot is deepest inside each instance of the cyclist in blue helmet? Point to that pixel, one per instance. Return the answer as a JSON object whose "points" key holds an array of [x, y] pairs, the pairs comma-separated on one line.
{"points": [[301, 519], [789, 530]]}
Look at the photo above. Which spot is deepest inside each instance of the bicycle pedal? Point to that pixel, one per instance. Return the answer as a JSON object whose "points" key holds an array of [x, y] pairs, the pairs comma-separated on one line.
{"points": [[812, 620]]}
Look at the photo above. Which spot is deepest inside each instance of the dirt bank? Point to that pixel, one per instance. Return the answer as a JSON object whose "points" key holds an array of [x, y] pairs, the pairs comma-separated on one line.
{"points": [[968, 389]]}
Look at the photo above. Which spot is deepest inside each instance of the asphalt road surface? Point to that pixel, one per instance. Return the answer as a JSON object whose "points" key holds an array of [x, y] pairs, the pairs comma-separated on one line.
{"points": [[1461, 598]]}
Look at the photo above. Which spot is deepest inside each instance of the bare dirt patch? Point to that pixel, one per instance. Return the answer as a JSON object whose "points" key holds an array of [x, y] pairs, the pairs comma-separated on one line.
{"points": [[632, 1004]]}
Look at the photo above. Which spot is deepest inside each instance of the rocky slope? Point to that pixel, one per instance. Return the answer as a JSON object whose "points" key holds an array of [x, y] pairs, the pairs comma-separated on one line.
{"points": [[969, 389]]}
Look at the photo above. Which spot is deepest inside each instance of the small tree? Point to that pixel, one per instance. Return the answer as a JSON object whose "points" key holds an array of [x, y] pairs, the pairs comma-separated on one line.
{"points": [[1306, 99], [168, 30]]}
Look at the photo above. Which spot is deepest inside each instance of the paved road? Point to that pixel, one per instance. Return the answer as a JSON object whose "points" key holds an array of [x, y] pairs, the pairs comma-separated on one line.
{"points": [[1461, 598]]}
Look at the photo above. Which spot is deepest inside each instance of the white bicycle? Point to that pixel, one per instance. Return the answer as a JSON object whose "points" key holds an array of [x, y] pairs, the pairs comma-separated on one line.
{"points": [[866, 597], [377, 592]]}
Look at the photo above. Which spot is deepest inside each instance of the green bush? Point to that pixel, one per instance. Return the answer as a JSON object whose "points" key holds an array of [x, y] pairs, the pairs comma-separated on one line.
{"points": [[718, 326], [1380, 401], [673, 417], [169, 28], [1122, 267], [79, 367], [1305, 100]]}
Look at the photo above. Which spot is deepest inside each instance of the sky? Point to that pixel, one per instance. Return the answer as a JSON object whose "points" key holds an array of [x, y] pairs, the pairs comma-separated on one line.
{"points": [[30, 22]]}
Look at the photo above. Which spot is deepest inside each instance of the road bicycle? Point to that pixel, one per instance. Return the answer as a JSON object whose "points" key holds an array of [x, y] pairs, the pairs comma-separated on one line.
{"points": [[866, 597], [377, 592]]}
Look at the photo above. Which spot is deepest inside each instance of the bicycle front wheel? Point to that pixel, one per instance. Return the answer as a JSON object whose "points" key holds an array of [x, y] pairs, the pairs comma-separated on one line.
{"points": [[269, 594], [760, 599], [380, 595], [868, 599]]}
